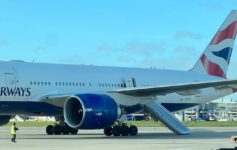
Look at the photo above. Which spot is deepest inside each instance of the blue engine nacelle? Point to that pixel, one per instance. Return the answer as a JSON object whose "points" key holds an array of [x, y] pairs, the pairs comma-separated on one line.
{"points": [[4, 120], [90, 111]]}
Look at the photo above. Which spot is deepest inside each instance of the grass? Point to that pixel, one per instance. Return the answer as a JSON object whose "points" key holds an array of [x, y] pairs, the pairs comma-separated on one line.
{"points": [[32, 123], [140, 123], [211, 123]]}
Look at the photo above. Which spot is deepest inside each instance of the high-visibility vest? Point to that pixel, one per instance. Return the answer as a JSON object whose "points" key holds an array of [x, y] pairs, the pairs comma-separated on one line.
{"points": [[13, 131]]}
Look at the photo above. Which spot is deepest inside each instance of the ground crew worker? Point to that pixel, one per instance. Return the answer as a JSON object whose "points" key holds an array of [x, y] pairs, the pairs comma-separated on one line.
{"points": [[13, 132]]}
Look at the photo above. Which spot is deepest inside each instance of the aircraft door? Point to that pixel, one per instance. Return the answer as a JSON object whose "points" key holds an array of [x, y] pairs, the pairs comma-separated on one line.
{"points": [[130, 82], [10, 79], [11, 83]]}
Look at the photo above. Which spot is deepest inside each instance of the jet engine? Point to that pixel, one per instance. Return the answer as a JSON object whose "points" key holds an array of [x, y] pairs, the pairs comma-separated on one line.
{"points": [[91, 111], [4, 119]]}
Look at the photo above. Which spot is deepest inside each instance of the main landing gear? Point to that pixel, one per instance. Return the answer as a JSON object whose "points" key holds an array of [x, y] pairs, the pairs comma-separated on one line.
{"points": [[122, 129], [60, 129]]}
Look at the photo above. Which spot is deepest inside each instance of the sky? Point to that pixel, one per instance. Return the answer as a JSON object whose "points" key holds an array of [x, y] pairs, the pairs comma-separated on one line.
{"points": [[128, 33]]}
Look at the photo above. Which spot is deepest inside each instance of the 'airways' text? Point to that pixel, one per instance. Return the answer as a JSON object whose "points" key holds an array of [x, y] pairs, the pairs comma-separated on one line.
{"points": [[15, 91]]}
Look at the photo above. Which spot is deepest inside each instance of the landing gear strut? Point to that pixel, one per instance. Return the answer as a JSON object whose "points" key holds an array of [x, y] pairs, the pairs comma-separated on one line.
{"points": [[121, 129], [60, 129]]}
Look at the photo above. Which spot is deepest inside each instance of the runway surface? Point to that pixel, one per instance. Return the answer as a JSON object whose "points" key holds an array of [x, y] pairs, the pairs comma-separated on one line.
{"points": [[34, 138]]}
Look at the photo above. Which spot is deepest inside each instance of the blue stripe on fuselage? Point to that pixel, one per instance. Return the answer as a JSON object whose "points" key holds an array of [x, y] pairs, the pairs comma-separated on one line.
{"points": [[29, 108]]}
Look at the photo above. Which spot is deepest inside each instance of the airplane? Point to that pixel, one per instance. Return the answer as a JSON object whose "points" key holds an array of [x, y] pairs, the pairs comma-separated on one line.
{"points": [[95, 97]]}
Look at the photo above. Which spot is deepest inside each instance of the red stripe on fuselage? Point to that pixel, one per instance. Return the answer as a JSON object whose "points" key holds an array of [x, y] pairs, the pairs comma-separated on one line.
{"points": [[212, 68], [228, 33]]}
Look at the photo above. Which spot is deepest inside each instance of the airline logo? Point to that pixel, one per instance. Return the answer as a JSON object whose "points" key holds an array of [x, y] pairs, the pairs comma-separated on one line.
{"points": [[15, 91], [216, 58]]}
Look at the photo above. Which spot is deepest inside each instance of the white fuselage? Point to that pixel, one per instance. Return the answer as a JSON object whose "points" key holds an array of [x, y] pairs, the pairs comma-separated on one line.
{"points": [[28, 82]]}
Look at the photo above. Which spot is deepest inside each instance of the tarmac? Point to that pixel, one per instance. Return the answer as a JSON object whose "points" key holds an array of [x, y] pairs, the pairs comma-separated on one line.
{"points": [[148, 138]]}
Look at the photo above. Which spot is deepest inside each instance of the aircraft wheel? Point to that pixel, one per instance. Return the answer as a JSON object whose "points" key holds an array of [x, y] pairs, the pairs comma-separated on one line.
{"points": [[66, 129], [108, 131], [133, 130], [73, 131], [57, 129], [116, 131], [49, 129], [124, 130]]}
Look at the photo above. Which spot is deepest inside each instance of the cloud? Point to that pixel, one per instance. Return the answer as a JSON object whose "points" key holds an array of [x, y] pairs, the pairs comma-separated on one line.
{"points": [[178, 58], [144, 48], [187, 35], [134, 48], [186, 51]]}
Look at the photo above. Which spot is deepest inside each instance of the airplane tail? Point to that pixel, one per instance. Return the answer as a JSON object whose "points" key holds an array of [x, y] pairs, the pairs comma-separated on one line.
{"points": [[216, 57]]}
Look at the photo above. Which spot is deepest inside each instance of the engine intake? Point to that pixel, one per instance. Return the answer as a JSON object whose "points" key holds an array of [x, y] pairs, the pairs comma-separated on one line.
{"points": [[90, 111]]}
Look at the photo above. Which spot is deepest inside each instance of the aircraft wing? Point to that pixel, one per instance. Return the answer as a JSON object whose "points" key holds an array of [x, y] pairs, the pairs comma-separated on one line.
{"points": [[166, 89], [59, 99], [55, 99]]}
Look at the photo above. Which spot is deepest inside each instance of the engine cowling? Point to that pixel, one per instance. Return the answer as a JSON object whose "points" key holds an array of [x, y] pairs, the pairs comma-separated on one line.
{"points": [[4, 120], [90, 111]]}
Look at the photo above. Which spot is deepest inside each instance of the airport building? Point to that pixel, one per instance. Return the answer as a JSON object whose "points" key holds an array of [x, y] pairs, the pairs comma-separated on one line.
{"points": [[221, 110]]}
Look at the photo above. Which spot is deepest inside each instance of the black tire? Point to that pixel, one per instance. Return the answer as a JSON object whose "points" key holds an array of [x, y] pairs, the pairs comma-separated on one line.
{"points": [[133, 130], [124, 130], [108, 131], [57, 129], [66, 129], [50, 130], [116, 131], [73, 131]]}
